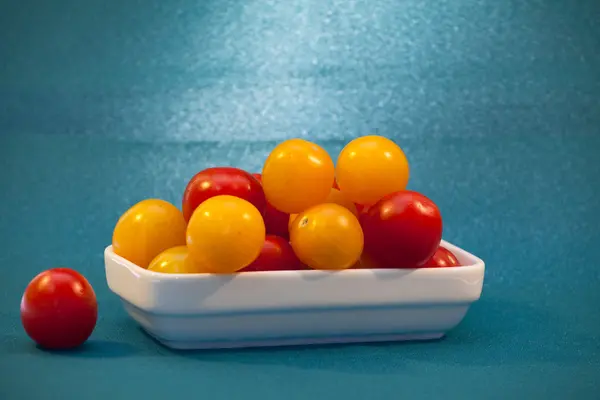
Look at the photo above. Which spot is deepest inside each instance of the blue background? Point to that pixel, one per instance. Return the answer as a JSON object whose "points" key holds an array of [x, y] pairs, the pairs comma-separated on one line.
{"points": [[496, 103]]}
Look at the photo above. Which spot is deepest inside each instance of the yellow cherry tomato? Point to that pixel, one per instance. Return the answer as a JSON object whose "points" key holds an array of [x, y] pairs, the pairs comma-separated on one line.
{"points": [[175, 260], [337, 197], [297, 175], [147, 229], [225, 234], [327, 236], [371, 167]]}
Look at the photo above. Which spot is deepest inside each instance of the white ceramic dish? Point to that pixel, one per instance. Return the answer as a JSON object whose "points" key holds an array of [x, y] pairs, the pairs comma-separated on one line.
{"points": [[199, 311]]}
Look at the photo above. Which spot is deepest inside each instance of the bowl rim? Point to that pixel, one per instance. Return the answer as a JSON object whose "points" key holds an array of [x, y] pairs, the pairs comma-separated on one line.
{"points": [[470, 262]]}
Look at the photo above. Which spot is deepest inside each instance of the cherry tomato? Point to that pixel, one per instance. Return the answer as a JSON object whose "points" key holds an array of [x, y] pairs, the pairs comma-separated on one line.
{"points": [[175, 260], [337, 197], [225, 234], [371, 167], [276, 222], [442, 258], [297, 175], [222, 181], [276, 255], [402, 230], [59, 309], [327, 236], [146, 230]]}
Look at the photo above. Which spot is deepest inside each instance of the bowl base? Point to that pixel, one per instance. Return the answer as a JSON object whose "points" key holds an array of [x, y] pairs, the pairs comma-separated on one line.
{"points": [[301, 341]]}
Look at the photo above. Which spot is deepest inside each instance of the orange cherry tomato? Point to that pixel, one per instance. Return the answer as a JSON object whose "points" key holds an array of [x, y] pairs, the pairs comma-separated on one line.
{"points": [[327, 236], [175, 260], [371, 167], [147, 229], [297, 175], [339, 198], [225, 234]]}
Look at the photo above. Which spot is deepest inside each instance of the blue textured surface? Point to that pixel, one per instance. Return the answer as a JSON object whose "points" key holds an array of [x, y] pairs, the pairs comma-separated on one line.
{"points": [[497, 104]]}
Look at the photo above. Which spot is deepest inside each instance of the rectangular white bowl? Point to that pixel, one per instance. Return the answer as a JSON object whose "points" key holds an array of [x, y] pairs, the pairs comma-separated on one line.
{"points": [[200, 311]]}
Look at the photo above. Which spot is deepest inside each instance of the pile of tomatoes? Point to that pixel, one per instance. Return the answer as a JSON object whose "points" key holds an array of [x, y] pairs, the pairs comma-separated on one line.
{"points": [[303, 211]]}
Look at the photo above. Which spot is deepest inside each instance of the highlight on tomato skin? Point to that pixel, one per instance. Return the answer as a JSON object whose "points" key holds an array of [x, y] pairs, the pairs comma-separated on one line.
{"points": [[402, 230]]}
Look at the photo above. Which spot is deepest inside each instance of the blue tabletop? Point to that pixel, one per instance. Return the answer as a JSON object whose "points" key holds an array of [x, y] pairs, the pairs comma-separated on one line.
{"points": [[496, 103]]}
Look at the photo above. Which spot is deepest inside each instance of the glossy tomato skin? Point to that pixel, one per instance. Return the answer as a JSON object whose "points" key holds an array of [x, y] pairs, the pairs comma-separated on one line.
{"points": [[222, 181], [297, 175], [147, 229], [370, 167], [276, 222], [175, 260], [59, 309], [402, 230], [225, 235], [276, 255], [327, 236], [442, 258]]}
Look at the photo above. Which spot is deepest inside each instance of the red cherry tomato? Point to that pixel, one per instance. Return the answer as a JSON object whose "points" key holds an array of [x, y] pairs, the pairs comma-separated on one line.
{"points": [[443, 258], [222, 181], [59, 309], [276, 221], [402, 230], [276, 255]]}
